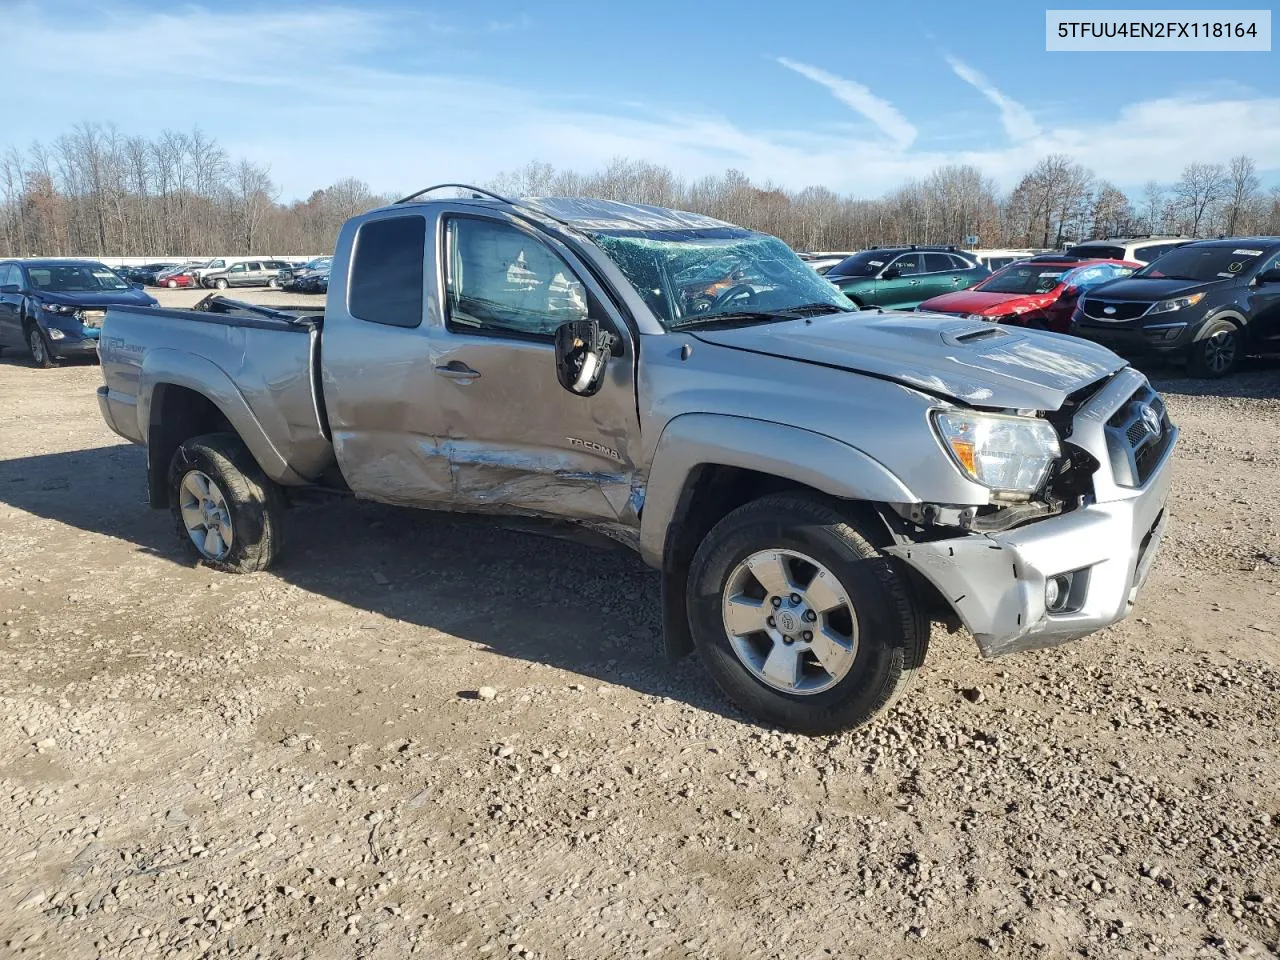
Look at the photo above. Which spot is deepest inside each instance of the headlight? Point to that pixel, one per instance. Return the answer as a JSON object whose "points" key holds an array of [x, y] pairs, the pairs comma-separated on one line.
{"points": [[1177, 303], [1006, 453], [57, 308]]}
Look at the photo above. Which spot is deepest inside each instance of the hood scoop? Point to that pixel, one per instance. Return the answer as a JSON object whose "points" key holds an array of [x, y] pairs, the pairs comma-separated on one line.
{"points": [[989, 332]]}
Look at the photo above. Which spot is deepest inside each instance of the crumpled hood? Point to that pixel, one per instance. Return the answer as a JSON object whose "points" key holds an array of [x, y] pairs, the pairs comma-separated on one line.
{"points": [[104, 298], [975, 362], [979, 301]]}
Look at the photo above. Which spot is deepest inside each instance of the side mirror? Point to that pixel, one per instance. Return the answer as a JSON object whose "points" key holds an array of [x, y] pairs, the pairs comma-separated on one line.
{"points": [[10, 288], [136, 285], [890, 273], [1267, 276], [582, 350], [1070, 292]]}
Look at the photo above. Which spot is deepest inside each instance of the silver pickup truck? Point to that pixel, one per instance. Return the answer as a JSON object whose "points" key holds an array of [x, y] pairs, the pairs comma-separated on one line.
{"points": [[815, 483]]}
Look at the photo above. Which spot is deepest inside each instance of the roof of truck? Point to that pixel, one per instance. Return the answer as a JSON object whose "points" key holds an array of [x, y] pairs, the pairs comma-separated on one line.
{"points": [[588, 213]]}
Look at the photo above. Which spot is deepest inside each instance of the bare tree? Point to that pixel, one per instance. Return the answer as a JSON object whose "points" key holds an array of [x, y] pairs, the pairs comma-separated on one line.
{"points": [[1153, 207], [254, 194], [1241, 192], [1112, 213], [1202, 187]]}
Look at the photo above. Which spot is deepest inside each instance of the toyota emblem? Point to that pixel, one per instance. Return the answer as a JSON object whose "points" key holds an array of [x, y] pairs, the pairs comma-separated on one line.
{"points": [[1150, 419]]}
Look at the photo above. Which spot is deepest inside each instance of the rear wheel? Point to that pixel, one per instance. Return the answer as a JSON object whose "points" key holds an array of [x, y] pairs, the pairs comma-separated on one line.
{"points": [[273, 283], [1218, 352], [40, 352], [799, 619], [225, 509]]}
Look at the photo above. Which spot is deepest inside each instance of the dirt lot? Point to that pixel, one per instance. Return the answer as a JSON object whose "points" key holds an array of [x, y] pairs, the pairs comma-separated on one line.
{"points": [[296, 764]]}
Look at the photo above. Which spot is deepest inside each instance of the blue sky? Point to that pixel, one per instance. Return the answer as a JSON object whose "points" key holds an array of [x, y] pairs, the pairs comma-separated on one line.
{"points": [[856, 96]]}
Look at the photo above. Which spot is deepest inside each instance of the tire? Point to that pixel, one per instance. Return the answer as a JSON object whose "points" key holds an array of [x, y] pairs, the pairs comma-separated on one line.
{"points": [[1218, 352], [887, 630], [220, 283], [239, 496], [38, 344], [273, 283]]}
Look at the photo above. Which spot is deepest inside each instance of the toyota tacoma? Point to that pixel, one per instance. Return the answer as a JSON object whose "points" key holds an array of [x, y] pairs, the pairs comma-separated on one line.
{"points": [[815, 483]]}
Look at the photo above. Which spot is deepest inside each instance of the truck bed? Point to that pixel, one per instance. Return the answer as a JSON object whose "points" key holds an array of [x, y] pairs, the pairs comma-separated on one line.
{"points": [[257, 365]]}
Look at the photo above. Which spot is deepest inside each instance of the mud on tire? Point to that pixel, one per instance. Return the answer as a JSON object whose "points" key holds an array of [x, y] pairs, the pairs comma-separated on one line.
{"points": [[253, 501]]}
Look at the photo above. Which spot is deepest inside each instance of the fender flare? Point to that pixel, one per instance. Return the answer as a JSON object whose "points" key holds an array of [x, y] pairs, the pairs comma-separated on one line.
{"points": [[1225, 314], [793, 453], [180, 369]]}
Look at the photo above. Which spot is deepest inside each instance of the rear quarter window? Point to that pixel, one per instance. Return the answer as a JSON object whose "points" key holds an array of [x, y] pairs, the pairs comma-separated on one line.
{"points": [[386, 271]]}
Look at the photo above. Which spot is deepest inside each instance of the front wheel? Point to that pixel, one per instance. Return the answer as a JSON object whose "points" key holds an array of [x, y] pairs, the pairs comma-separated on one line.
{"points": [[799, 619], [1218, 352], [40, 352], [220, 284], [172, 284], [226, 510]]}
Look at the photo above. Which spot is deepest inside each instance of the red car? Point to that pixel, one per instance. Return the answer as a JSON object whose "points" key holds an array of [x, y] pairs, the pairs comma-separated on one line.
{"points": [[180, 278], [1040, 292]]}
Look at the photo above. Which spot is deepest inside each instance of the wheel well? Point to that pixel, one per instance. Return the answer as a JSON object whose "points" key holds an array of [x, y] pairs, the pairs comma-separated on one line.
{"points": [[177, 415], [710, 493]]}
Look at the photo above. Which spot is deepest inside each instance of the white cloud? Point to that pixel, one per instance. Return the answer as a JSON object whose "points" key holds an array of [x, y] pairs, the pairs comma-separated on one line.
{"points": [[309, 93], [860, 99], [1016, 119]]}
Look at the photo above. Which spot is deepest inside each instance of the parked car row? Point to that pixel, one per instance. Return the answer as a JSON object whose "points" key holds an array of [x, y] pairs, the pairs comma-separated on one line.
{"points": [[223, 272], [54, 308], [310, 277]]}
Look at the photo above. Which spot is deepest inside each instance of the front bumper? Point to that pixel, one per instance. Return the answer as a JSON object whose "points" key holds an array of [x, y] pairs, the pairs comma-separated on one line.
{"points": [[1169, 336], [73, 344], [996, 582]]}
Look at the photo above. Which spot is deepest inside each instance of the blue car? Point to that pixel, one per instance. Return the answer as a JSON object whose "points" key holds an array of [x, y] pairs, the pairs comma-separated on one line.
{"points": [[54, 308]]}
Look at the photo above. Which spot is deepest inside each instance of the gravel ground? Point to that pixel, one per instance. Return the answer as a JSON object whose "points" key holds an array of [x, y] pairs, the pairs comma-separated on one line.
{"points": [[436, 736]]}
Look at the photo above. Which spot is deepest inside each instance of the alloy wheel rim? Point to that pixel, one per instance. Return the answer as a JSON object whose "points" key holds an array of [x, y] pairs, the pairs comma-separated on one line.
{"points": [[205, 515], [1220, 351], [790, 622]]}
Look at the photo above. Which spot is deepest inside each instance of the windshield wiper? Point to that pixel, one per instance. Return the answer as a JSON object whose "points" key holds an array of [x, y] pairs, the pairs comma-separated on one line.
{"points": [[762, 316]]}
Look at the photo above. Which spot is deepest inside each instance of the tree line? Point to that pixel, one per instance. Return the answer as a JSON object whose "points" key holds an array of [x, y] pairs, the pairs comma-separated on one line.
{"points": [[97, 192]]}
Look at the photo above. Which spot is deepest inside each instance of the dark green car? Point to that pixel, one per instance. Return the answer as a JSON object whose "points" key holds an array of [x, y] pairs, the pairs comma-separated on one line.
{"points": [[900, 278]]}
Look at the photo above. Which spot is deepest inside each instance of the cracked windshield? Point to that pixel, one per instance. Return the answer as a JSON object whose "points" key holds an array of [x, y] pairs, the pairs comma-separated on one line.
{"points": [[701, 278]]}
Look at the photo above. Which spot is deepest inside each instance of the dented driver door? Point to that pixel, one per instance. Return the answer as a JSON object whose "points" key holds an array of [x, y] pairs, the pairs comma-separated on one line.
{"points": [[518, 441]]}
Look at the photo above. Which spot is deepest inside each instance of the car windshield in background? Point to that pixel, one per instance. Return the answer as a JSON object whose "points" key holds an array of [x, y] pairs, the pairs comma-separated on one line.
{"points": [[866, 264], [1097, 252], [696, 276], [76, 278], [1023, 278], [1203, 263]]}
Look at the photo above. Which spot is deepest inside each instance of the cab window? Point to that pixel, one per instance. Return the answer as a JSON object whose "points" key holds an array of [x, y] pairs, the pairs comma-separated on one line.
{"points": [[387, 271], [503, 281]]}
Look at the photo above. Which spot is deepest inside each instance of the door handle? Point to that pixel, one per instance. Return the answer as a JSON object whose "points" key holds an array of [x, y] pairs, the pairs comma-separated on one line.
{"points": [[914, 283], [457, 370], [955, 279]]}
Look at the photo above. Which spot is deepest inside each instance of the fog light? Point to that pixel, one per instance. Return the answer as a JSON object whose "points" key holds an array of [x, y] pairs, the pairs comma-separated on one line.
{"points": [[1057, 591], [55, 333]]}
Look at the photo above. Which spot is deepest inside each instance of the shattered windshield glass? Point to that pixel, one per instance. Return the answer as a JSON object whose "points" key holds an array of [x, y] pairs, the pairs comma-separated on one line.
{"points": [[701, 275]]}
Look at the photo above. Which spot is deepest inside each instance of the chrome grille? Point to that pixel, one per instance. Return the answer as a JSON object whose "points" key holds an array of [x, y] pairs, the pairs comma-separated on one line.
{"points": [[1138, 434]]}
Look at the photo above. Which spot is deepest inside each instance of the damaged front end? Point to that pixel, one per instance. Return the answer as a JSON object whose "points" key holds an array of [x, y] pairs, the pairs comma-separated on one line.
{"points": [[1037, 571]]}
